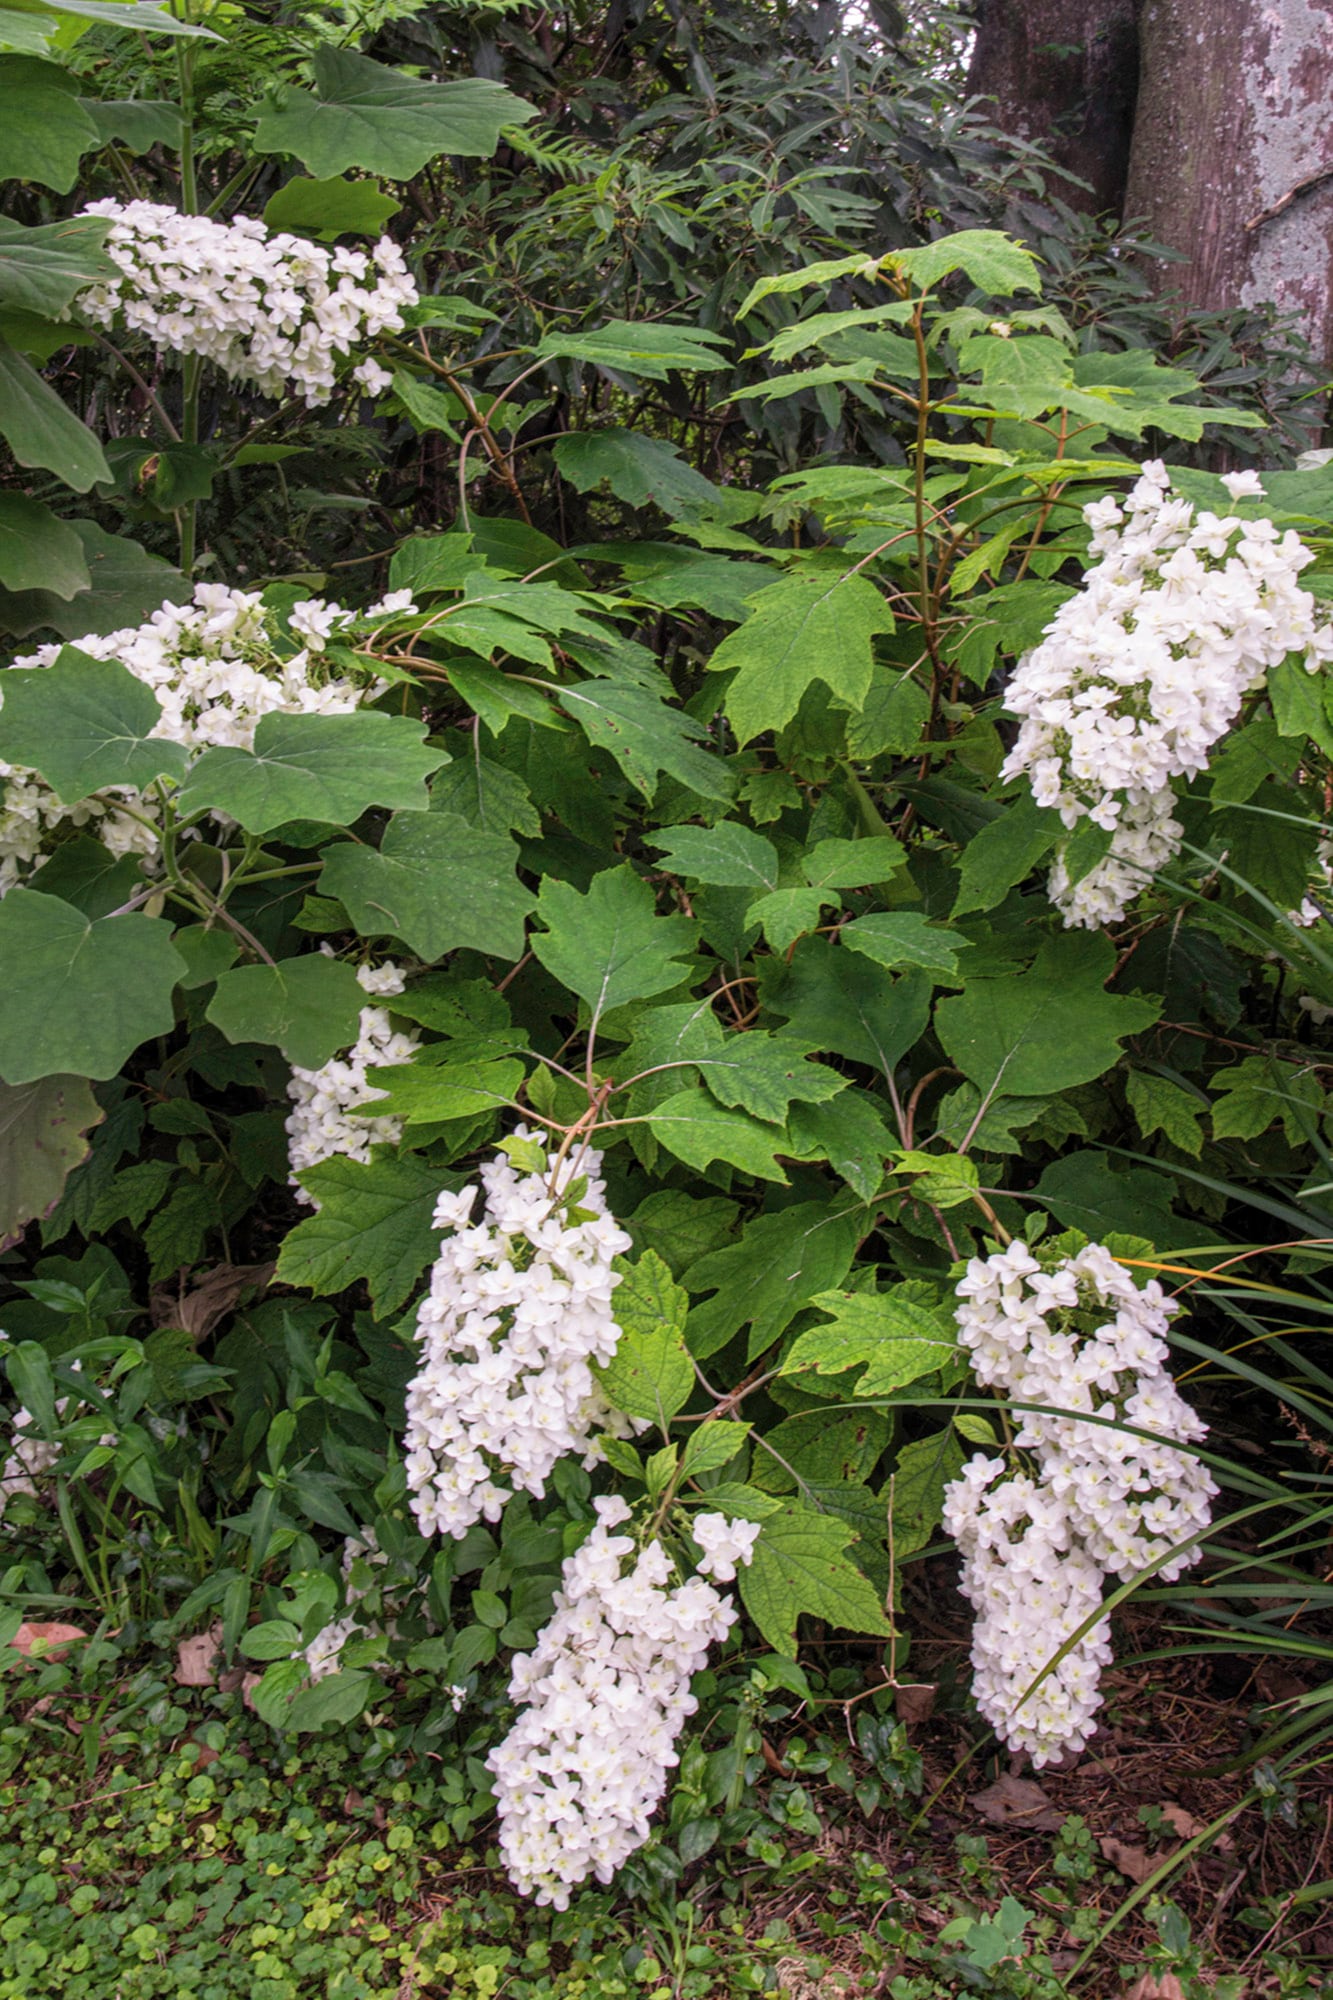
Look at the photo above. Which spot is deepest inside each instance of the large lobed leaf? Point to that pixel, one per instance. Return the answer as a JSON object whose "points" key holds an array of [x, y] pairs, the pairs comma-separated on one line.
{"points": [[364, 114]]}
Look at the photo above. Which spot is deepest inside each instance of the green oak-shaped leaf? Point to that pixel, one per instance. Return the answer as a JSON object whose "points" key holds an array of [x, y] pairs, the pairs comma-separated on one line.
{"points": [[309, 1007], [84, 724], [765, 1073], [1047, 1029], [896, 938], [839, 1001], [697, 1129], [364, 114], [426, 1093], [771, 1273], [41, 431], [610, 946], [329, 208], [641, 470], [138, 122], [43, 1137], [322, 767], [435, 882], [899, 1340], [650, 351], [647, 736], [798, 1566], [650, 1374], [80, 994], [818, 625], [374, 1223], [726, 856], [44, 130], [43, 270], [39, 551]]}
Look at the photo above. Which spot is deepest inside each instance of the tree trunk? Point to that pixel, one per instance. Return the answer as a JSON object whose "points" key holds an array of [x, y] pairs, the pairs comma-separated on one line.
{"points": [[1064, 74], [1235, 111], [1212, 120]]}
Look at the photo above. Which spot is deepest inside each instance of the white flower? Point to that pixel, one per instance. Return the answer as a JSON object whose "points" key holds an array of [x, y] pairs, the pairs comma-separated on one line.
{"points": [[1243, 485], [1140, 674], [605, 1695], [270, 310], [397, 604], [518, 1310], [724, 1543]]}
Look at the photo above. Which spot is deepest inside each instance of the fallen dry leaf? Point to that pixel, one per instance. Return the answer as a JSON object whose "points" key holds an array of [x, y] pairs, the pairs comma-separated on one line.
{"points": [[46, 1642], [249, 1682], [1168, 1987], [200, 1310], [1017, 1802], [1180, 1821], [197, 1657], [1134, 1862], [914, 1701]]}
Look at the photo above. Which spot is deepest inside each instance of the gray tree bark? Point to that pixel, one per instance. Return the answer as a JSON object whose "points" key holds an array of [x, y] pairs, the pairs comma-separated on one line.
{"points": [[1235, 113], [1212, 120]]}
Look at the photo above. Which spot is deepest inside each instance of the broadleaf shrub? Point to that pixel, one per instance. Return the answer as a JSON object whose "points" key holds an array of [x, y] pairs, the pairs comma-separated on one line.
{"points": [[654, 838]]}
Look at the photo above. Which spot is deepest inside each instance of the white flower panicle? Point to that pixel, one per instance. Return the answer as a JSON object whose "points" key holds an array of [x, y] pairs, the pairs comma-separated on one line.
{"points": [[1079, 1350], [519, 1307], [1032, 1587], [605, 1694], [321, 1123], [274, 311], [216, 665], [1141, 672]]}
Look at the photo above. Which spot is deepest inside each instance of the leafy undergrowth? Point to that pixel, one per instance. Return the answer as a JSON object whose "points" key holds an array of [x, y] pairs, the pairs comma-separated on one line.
{"points": [[157, 1845]]}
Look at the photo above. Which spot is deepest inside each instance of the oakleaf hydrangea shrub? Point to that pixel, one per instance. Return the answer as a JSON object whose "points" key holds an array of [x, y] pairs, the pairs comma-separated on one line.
{"points": [[503, 1105]]}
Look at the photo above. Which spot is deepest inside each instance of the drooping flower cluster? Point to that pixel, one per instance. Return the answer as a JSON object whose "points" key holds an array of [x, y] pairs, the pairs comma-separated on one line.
{"points": [[519, 1306], [216, 665], [1143, 670], [272, 310], [1078, 1349], [321, 1123], [605, 1694]]}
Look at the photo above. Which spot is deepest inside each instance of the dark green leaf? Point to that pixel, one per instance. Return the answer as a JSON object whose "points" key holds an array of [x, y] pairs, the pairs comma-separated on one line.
{"points": [[374, 1223], [39, 551], [364, 114], [610, 946], [310, 1007], [85, 724], [81, 994], [320, 767], [330, 208], [41, 431], [437, 883]]}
